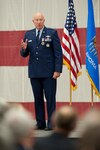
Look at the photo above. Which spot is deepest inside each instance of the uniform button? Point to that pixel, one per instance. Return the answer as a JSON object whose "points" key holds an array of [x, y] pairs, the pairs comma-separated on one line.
{"points": [[37, 47], [36, 52], [37, 58]]}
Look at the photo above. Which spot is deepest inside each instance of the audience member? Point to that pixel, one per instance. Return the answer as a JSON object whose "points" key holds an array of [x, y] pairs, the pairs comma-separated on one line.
{"points": [[6, 136], [4, 106], [21, 123], [90, 134], [64, 121], [90, 118]]}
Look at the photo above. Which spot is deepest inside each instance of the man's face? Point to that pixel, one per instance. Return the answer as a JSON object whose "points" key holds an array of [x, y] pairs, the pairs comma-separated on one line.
{"points": [[38, 21]]}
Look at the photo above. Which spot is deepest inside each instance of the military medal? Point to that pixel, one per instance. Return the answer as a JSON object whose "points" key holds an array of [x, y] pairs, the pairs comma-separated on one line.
{"points": [[42, 43], [47, 45]]}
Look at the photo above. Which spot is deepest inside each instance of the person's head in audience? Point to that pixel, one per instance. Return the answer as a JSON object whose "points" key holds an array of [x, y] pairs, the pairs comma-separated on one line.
{"points": [[90, 118], [21, 123], [4, 106], [6, 138], [90, 132], [91, 138], [64, 120], [6, 135]]}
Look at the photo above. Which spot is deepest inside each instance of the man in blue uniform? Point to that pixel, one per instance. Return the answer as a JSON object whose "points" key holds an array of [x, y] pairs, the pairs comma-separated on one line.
{"points": [[45, 65]]}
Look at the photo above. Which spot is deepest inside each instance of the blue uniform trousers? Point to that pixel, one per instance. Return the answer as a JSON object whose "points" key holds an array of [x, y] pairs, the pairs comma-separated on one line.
{"points": [[44, 87]]}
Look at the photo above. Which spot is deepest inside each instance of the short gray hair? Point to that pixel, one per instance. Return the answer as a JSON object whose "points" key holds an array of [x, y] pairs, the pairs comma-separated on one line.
{"points": [[4, 106], [20, 121], [6, 137]]}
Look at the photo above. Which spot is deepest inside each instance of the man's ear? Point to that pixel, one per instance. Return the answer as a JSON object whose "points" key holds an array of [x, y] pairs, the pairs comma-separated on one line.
{"points": [[32, 20]]}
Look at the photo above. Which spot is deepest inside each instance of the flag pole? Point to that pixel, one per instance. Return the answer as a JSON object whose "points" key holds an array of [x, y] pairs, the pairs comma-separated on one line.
{"points": [[91, 95], [70, 89]]}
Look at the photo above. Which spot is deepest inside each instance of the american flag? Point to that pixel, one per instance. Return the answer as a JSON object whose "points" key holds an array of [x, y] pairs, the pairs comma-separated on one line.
{"points": [[70, 45]]}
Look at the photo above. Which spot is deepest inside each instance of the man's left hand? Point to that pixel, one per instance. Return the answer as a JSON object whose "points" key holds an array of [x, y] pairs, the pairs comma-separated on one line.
{"points": [[56, 75]]}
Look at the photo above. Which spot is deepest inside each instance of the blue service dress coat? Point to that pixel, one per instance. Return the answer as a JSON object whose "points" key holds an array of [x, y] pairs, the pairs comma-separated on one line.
{"points": [[45, 56]]}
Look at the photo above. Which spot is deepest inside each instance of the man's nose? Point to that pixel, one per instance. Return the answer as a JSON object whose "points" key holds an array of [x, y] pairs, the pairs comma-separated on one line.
{"points": [[39, 21]]}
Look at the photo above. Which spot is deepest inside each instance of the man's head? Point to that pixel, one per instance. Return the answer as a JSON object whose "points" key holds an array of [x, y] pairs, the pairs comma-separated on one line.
{"points": [[21, 123], [38, 20], [6, 137], [65, 119], [90, 139], [4, 106]]}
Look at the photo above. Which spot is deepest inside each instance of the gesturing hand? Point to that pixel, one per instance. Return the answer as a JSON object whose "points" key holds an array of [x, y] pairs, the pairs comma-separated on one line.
{"points": [[24, 44]]}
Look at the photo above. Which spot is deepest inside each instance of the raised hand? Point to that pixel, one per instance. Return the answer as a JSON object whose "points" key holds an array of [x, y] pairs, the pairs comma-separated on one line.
{"points": [[24, 44]]}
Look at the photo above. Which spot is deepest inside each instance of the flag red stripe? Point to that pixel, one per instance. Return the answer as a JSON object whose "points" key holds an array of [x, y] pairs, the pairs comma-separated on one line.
{"points": [[67, 60], [73, 57], [66, 37], [76, 51], [72, 83], [66, 48], [72, 69]]}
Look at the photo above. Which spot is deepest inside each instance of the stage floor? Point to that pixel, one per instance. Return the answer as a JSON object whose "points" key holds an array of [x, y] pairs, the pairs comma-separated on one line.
{"points": [[75, 133]]}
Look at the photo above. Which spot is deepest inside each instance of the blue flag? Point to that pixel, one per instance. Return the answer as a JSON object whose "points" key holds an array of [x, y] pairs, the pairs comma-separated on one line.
{"points": [[91, 52]]}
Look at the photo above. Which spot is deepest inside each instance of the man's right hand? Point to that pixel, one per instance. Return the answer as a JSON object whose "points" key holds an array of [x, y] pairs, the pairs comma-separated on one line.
{"points": [[24, 44]]}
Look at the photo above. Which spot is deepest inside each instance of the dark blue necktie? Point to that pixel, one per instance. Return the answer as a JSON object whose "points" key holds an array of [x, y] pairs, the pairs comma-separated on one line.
{"points": [[38, 34]]}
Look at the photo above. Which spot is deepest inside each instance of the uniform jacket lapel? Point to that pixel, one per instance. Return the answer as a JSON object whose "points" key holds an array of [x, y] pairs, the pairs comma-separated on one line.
{"points": [[34, 35]]}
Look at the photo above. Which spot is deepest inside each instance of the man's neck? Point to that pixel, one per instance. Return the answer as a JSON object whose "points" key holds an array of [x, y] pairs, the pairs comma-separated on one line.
{"points": [[40, 28]]}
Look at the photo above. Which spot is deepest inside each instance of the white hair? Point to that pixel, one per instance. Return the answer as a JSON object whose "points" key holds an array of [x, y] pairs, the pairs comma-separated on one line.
{"points": [[4, 106], [20, 121], [6, 137]]}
